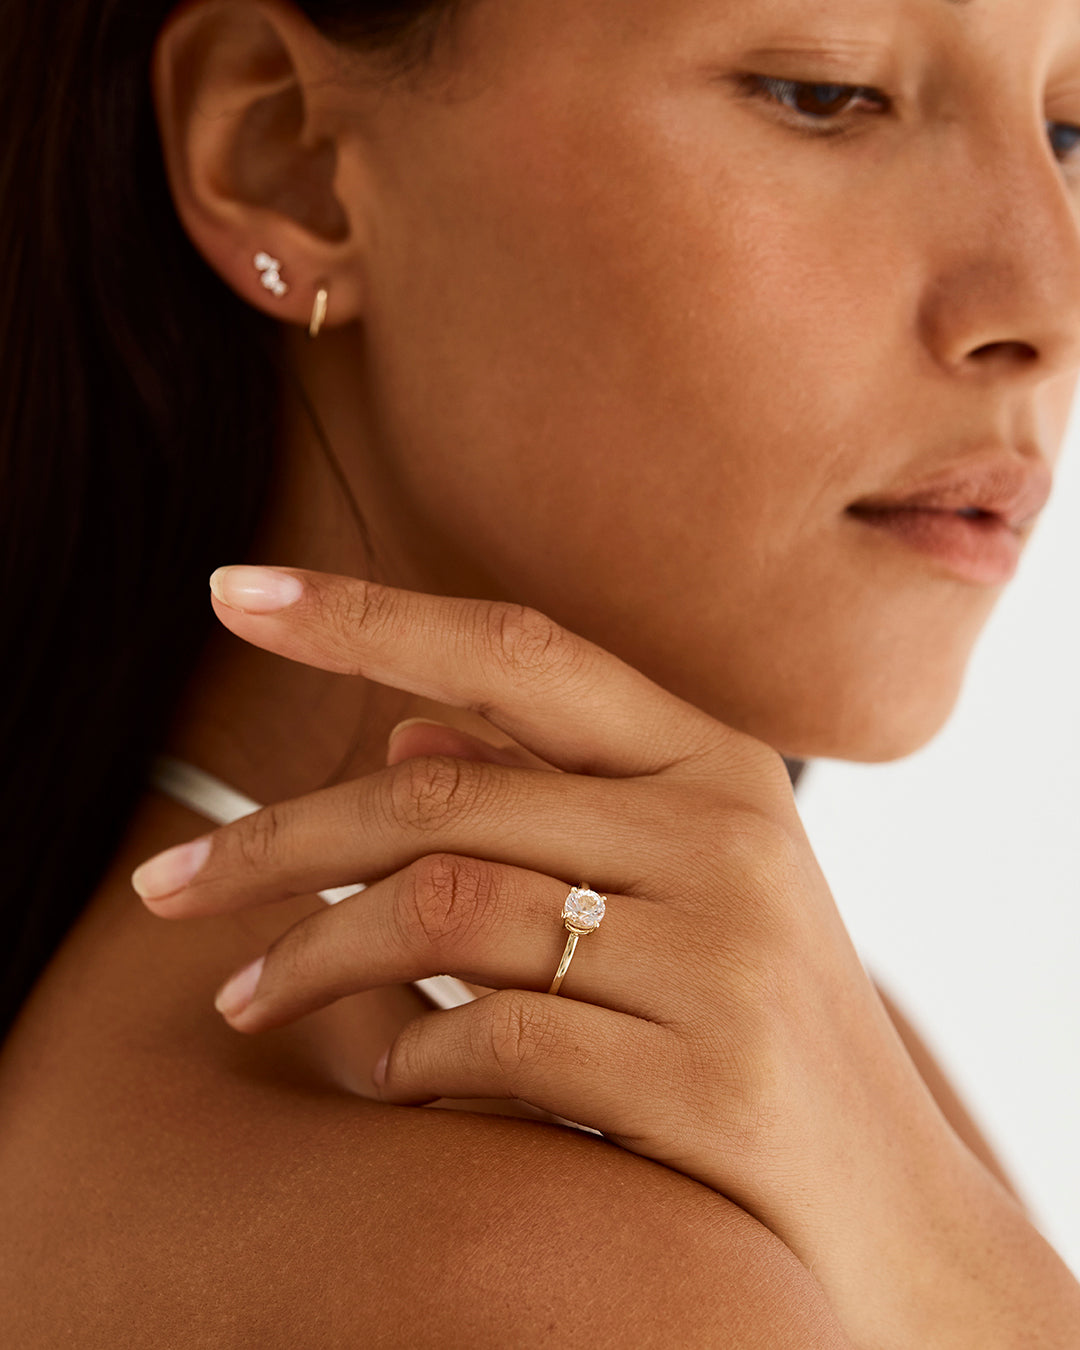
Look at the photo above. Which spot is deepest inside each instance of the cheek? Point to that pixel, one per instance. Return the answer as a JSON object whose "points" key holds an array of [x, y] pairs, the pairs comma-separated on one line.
{"points": [[638, 387], [623, 333]]}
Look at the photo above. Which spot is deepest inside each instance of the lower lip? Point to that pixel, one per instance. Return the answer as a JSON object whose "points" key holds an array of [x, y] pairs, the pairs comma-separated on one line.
{"points": [[975, 548]]}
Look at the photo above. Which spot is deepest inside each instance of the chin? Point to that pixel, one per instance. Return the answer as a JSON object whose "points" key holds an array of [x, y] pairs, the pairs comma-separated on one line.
{"points": [[863, 722], [870, 734]]}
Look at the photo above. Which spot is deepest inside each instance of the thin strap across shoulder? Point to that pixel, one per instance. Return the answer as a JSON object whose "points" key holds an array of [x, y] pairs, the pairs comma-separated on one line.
{"points": [[217, 801]]}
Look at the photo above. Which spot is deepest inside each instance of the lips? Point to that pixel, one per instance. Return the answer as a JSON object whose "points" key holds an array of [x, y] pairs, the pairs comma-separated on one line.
{"points": [[1013, 490], [968, 517]]}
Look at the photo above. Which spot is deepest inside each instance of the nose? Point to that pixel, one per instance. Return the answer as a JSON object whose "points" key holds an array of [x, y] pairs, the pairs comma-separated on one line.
{"points": [[1002, 301]]}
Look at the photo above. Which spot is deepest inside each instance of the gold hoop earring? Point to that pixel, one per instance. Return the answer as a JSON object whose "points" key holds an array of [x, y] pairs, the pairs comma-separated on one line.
{"points": [[318, 311]]}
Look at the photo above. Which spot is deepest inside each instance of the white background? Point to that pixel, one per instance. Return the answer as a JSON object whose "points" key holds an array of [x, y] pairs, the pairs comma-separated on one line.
{"points": [[957, 871]]}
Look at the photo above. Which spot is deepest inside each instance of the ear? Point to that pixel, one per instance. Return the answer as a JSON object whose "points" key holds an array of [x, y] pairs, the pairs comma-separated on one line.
{"points": [[259, 153]]}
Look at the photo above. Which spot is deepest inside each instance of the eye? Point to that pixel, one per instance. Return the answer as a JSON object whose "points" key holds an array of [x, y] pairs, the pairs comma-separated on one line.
{"points": [[811, 102], [826, 105], [1064, 138]]}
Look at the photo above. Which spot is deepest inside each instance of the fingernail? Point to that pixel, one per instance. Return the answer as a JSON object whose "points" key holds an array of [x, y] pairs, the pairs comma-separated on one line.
{"points": [[255, 590], [169, 872], [237, 992], [414, 722], [378, 1074]]}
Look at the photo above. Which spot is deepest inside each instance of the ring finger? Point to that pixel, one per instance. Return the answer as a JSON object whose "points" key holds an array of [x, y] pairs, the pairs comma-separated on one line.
{"points": [[491, 924]]}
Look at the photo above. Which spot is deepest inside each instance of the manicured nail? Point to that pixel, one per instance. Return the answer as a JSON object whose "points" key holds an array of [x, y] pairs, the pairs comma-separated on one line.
{"points": [[378, 1074], [415, 722], [255, 590], [237, 992], [169, 872]]}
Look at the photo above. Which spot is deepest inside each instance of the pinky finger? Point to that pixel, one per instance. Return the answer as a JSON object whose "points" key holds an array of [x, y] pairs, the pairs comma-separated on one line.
{"points": [[574, 1060]]}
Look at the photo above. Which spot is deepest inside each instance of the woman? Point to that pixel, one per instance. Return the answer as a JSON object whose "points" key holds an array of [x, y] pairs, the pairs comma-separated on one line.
{"points": [[736, 339]]}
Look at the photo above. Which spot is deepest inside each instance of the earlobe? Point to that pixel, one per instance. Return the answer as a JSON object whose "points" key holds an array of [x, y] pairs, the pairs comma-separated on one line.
{"points": [[269, 270], [251, 162]]}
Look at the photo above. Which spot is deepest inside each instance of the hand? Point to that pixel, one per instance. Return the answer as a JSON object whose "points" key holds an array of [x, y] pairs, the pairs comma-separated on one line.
{"points": [[719, 1021]]}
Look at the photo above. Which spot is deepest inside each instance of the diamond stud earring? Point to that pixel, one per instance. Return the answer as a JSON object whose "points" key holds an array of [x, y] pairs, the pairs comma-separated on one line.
{"points": [[270, 277]]}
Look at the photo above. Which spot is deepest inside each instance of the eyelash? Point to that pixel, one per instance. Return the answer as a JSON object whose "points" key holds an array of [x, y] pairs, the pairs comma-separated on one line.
{"points": [[779, 92], [837, 122]]}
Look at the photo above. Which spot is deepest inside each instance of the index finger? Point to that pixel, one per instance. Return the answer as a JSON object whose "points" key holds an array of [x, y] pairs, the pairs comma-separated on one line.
{"points": [[557, 694]]}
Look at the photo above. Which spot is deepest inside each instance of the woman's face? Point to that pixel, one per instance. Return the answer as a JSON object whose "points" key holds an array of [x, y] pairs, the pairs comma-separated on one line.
{"points": [[638, 336]]}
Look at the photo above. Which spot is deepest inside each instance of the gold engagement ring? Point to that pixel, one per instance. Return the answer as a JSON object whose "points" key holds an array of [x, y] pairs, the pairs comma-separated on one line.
{"points": [[581, 913]]}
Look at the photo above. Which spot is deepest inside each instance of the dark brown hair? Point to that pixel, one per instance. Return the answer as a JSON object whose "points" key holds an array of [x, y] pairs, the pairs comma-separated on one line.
{"points": [[137, 444]]}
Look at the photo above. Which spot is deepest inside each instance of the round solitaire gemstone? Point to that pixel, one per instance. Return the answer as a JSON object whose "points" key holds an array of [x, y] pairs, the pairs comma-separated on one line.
{"points": [[583, 908]]}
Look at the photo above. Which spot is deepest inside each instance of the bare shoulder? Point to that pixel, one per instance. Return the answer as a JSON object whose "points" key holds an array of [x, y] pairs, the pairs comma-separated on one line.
{"points": [[182, 1208]]}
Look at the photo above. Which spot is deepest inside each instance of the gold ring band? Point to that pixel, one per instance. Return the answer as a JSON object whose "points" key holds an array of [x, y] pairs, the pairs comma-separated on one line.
{"points": [[582, 912]]}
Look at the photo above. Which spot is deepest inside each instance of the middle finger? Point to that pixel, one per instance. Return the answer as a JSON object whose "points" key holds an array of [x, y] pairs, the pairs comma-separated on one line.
{"points": [[555, 824]]}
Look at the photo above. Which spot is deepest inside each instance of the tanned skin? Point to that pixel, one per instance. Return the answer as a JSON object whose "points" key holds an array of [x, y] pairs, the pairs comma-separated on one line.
{"points": [[612, 337]]}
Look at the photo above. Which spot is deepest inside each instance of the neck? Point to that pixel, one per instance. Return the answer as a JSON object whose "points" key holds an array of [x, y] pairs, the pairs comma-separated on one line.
{"points": [[275, 729]]}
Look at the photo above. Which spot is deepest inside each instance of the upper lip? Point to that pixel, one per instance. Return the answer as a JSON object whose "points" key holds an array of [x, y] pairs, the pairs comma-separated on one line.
{"points": [[1003, 485]]}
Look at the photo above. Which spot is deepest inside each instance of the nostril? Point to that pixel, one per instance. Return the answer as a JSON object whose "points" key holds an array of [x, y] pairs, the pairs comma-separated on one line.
{"points": [[1014, 352]]}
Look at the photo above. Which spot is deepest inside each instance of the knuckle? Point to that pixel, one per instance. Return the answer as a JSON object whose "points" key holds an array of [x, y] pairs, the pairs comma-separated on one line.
{"points": [[358, 606], [727, 1083], [445, 897], [751, 771], [520, 1031], [766, 872], [528, 642], [773, 773], [259, 838], [429, 792], [404, 1060], [297, 957], [767, 778], [760, 847]]}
